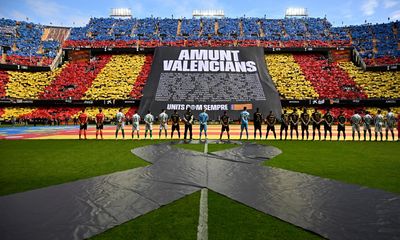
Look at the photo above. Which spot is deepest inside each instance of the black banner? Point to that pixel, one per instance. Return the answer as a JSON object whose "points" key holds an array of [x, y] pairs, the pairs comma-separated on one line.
{"points": [[215, 79]]}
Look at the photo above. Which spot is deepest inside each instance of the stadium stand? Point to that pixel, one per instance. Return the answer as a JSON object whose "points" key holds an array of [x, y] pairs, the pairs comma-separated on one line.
{"points": [[297, 76], [109, 113], [15, 112], [27, 85], [25, 44], [75, 79], [3, 83], [329, 80], [384, 85], [116, 79], [141, 79], [32, 44], [377, 44], [288, 77]]}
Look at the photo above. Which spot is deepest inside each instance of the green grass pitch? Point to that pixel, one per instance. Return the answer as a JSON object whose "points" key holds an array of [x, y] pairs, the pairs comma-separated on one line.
{"points": [[31, 164]]}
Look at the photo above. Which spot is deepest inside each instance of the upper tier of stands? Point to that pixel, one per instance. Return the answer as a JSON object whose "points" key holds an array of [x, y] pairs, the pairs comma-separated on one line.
{"points": [[32, 44], [27, 43], [378, 44]]}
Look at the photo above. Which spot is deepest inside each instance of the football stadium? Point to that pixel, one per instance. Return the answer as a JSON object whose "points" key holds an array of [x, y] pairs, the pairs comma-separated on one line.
{"points": [[184, 120]]}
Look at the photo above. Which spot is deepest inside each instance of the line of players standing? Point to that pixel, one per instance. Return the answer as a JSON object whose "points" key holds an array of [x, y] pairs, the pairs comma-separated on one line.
{"points": [[293, 120], [327, 120]]}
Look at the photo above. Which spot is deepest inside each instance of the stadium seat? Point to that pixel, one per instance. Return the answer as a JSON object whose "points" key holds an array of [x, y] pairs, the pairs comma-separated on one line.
{"points": [[141, 79], [375, 84], [116, 79], [75, 78], [28, 85], [15, 112], [3, 83], [288, 77], [25, 45], [329, 80]]}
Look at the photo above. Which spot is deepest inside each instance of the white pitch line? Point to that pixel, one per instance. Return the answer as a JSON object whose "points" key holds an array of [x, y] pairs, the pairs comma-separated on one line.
{"points": [[206, 147], [202, 228]]}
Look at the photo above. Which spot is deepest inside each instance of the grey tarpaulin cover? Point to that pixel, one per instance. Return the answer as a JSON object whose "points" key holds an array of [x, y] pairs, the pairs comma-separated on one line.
{"points": [[84, 208]]}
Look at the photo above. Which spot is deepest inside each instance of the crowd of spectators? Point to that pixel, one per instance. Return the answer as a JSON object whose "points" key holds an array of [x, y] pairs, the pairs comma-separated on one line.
{"points": [[75, 79], [151, 32], [59, 115], [116, 79], [378, 44], [22, 43], [289, 78], [327, 78], [378, 85], [3, 83], [28, 85]]}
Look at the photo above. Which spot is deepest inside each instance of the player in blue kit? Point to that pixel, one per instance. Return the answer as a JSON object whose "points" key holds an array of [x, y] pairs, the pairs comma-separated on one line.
{"points": [[203, 118], [244, 122]]}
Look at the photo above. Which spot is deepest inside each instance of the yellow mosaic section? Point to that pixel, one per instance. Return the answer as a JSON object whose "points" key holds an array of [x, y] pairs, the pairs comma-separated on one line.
{"points": [[11, 112], [28, 85], [375, 84], [288, 77], [116, 79]]}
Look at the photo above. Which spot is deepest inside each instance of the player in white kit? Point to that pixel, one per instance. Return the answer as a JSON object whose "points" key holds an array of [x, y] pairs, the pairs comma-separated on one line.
{"points": [[378, 125], [355, 123], [390, 124], [135, 124], [120, 117], [368, 120], [163, 118], [149, 119]]}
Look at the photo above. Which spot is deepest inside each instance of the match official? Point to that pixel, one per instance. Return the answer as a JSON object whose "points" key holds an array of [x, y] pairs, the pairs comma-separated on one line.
{"points": [[224, 125]]}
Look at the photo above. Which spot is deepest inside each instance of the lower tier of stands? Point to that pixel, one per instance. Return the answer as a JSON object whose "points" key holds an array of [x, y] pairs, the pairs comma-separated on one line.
{"points": [[384, 85], [116, 79], [289, 78], [327, 78], [48, 115], [103, 77]]}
